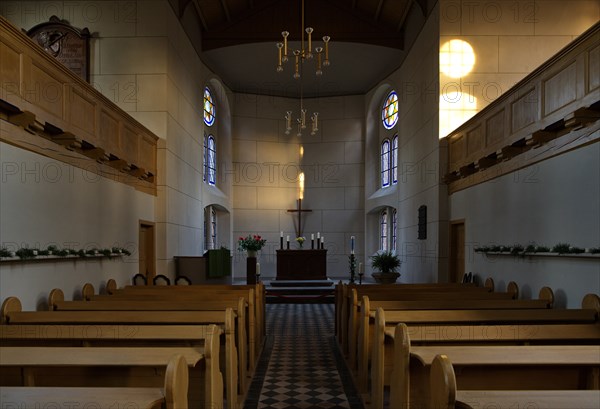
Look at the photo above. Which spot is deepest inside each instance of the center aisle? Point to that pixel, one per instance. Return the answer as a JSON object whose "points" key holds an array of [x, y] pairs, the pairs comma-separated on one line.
{"points": [[300, 366]]}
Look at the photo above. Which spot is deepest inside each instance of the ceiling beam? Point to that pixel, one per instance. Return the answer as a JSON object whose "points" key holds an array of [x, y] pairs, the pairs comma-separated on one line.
{"points": [[405, 15], [378, 11], [200, 15], [226, 10]]}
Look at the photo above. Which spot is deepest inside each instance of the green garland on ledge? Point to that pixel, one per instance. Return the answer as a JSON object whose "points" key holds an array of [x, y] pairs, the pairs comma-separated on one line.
{"points": [[25, 253], [519, 250]]}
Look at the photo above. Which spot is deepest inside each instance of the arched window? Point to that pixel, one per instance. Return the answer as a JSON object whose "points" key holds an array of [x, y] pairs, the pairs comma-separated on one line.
{"points": [[211, 161], [395, 159], [383, 230], [209, 107], [389, 112], [394, 229], [210, 228], [385, 163]]}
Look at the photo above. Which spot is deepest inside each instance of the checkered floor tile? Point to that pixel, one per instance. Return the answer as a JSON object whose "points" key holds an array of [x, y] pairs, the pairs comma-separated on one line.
{"points": [[301, 363]]}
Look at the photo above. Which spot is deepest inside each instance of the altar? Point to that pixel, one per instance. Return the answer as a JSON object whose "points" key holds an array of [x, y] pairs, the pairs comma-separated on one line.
{"points": [[302, 264]]}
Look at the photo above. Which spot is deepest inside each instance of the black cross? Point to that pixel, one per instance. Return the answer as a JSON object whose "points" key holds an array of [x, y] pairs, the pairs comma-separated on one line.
{"points": [[299, 210]]}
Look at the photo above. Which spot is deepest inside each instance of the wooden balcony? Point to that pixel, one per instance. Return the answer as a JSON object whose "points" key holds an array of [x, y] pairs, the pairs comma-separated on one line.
{"points": [[553, 110], [47, 109]]}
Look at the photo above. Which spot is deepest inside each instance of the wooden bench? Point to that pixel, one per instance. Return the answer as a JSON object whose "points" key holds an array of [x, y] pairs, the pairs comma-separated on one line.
{"points": [[445, 394], [433, 301], [408, 292], [173, 394], [254, 317], [169, 303], [506, 331], [235, 374]]}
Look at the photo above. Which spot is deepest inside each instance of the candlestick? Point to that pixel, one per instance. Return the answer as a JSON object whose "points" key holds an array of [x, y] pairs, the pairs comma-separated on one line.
{"points": [[352, 244], [281, 240]]}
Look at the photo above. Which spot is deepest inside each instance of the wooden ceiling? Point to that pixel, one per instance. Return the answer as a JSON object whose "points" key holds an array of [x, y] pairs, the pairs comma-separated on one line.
{"points": [[225, 23]]}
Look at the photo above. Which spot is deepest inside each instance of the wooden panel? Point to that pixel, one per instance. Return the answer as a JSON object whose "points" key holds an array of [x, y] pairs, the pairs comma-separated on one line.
{"points": [[594, 69], [494, 127], [524, 110], [457, 151], [560, 89], [130, 145], [81, 114], [109, 133], [10, 71], [475, 140], [44, 91], [148, 154]]}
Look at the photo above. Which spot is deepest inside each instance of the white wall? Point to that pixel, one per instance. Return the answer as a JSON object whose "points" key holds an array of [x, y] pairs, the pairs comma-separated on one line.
{"points": [[418, 158], [44, 202], [554, 201], [143, 61], [266, 164]]}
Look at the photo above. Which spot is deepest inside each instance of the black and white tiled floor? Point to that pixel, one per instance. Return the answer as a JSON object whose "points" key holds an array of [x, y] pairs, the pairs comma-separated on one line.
{"points": [[301, 366]]}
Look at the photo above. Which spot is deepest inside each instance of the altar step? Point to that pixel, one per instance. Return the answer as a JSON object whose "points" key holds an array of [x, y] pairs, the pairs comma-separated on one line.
{"points": [[300, 291]]}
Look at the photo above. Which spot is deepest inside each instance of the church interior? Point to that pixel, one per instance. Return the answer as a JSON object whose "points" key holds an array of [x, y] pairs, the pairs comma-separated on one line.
{"points": [[273, 155]]}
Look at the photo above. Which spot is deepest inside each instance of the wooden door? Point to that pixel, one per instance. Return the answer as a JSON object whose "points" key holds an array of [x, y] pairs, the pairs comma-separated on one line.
{"points": [[457, 250], [147, 260]]}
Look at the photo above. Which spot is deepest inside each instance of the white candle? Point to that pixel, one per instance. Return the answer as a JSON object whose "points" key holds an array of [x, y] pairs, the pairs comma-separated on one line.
{"points": [[288, 238], [281, 234], [322, 240], [318, 235], [360, 268], [257, 269], [352, 244], [312, 236]]}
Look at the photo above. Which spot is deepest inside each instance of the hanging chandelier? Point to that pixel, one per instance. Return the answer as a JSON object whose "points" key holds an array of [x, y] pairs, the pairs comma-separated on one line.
{"points": [[300, 55]]}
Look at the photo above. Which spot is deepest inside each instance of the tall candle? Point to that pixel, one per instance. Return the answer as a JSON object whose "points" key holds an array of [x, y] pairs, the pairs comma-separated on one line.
{"points": [[281, 234], [318, 235], [351, 244], [288, 238], [360, 268], [312, 236], [257, 269]]}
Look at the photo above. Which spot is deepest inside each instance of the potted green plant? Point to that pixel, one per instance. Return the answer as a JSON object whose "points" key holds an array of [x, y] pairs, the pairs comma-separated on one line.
{"points": [[386, 263]]}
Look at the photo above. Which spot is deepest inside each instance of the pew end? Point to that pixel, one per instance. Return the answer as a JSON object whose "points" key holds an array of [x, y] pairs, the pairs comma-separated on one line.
{"points": [[87, 291], [55, 296], [10, 304], [442, 383], [547, 294], [591, 302]]}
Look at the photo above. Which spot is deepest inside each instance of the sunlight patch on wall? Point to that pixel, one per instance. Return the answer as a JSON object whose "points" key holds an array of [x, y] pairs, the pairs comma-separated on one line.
{"points": [[455, 109], [456, 58]]}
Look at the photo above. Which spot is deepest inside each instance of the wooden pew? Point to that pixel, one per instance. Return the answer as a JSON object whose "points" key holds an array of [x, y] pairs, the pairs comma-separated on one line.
{"points": [[446, 395], [169, 303], [361, 313], [351, 295], [255, 316], [504, 332], [235, 375], [173, 394]]}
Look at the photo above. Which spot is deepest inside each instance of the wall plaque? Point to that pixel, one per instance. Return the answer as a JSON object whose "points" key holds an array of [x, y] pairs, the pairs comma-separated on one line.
{"points": [[66, 43]]}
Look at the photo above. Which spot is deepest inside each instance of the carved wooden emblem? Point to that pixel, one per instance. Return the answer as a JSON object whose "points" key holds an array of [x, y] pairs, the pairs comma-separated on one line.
{"points": [[66, 43]]}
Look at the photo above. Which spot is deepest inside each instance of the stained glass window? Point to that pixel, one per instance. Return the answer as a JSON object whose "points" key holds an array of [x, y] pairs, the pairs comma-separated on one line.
{"points": [[394, 229], [383, 233], [209, 107], [395, 159], [389, 113], [385, 163], [211, 163]]}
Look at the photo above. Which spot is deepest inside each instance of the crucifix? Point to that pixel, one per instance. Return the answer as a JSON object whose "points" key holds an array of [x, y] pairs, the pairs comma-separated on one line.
{"points": [[299, 210]]}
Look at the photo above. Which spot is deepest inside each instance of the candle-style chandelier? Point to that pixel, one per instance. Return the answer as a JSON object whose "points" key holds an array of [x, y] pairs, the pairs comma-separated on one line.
{"points": [[300, 55]]}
